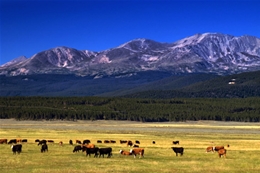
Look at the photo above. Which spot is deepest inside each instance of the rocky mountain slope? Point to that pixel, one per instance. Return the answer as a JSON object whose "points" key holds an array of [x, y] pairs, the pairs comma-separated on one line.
{"points": [[202, 53]]}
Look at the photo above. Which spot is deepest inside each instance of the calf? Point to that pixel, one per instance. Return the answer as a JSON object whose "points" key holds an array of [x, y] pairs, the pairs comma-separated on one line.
{"points": [[77, 148], [222, 152], [103, 151], [136, 151], [44, 148], [178, 150], [90, 151], [125, 152], [17, 148]]}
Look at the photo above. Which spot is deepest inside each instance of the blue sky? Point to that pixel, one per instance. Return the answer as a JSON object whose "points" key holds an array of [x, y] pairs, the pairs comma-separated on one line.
{"points": [[30, 26]]}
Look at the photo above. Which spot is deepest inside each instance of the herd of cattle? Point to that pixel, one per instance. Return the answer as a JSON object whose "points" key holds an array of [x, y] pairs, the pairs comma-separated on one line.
{"points": [[89, 148]]}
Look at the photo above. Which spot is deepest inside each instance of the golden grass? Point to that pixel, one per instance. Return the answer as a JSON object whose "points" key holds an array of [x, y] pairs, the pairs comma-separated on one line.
{"points": [[242, 155]]}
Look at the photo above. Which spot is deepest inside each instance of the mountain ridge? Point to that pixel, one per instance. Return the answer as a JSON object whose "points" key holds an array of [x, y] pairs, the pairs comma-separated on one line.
{"points": [[200, 53]]}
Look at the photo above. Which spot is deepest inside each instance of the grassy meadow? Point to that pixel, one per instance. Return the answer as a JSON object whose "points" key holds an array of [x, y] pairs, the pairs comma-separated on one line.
{"points": [[242, 155]]}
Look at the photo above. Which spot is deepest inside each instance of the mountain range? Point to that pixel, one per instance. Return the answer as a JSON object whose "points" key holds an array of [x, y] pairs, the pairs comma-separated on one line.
{"points": [[64, 71]]}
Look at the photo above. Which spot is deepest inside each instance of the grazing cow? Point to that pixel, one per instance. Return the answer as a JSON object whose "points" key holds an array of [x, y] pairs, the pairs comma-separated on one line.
{"points": [[137, 142], [216, 148], [136, 151], [112, 141], [176, 142], [37, 140], [123, 141], [50, 141], [42, 142], [103, 151], [99, 141], [17, 148], [86, 141], [153, 142], [129, 143], [125, 152], [24, 140], [209, 149], [3, 141], [78, 142], [178, 150], [90, 151], [77, 148], [12, 141], [70, 142], [222, 152], [84, 147], [136, 146], [106, 141], [44, 148]]}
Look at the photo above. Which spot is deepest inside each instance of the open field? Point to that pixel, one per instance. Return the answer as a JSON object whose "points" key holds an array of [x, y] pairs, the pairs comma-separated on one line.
{"points": [[242, 155]]}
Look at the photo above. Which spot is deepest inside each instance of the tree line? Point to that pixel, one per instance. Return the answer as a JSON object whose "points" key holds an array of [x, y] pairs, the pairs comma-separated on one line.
{"points": [[132, 109]]}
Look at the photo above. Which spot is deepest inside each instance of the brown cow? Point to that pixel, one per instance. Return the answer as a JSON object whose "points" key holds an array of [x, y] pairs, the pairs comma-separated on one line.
{"points": [[136, 151], [222, 152], [209, 149], [60, 143], [125, 152], [3, 141], [78, 141]]}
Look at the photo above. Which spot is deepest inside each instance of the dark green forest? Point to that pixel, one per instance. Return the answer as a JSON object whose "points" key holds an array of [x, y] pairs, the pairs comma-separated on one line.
{"points": [[132, 109]]}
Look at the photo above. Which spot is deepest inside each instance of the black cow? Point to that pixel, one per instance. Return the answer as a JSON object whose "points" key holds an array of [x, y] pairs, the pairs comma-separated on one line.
{"points": [[12, 141], [136, 146], [77, 148], [99, 141], [24, 140], [42, 142], [176, 142], [153, 142], [90, 151], [86, 141], [70, 142], [37, 140], [103, 151], [17, 148], [123, 141], [137, 142], [178, 150], [44, 148]]}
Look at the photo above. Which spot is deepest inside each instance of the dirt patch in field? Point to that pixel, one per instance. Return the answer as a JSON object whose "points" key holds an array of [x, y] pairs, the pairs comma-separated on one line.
{"points": [[130, 126]]}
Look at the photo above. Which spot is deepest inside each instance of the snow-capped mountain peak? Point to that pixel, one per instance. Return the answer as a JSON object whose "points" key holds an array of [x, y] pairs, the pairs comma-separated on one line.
{"points": [[200, 53]]}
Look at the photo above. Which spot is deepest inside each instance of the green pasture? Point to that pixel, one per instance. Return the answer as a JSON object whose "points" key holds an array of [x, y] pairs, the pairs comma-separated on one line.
{"points": [[242, 155]]}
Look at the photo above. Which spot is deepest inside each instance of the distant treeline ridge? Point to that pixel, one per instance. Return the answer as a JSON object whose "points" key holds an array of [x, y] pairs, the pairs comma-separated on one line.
{"points": [[133, 109]]}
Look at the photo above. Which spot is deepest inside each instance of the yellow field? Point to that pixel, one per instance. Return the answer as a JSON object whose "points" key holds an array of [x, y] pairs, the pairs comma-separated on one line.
{"points": [[242, 155]]}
